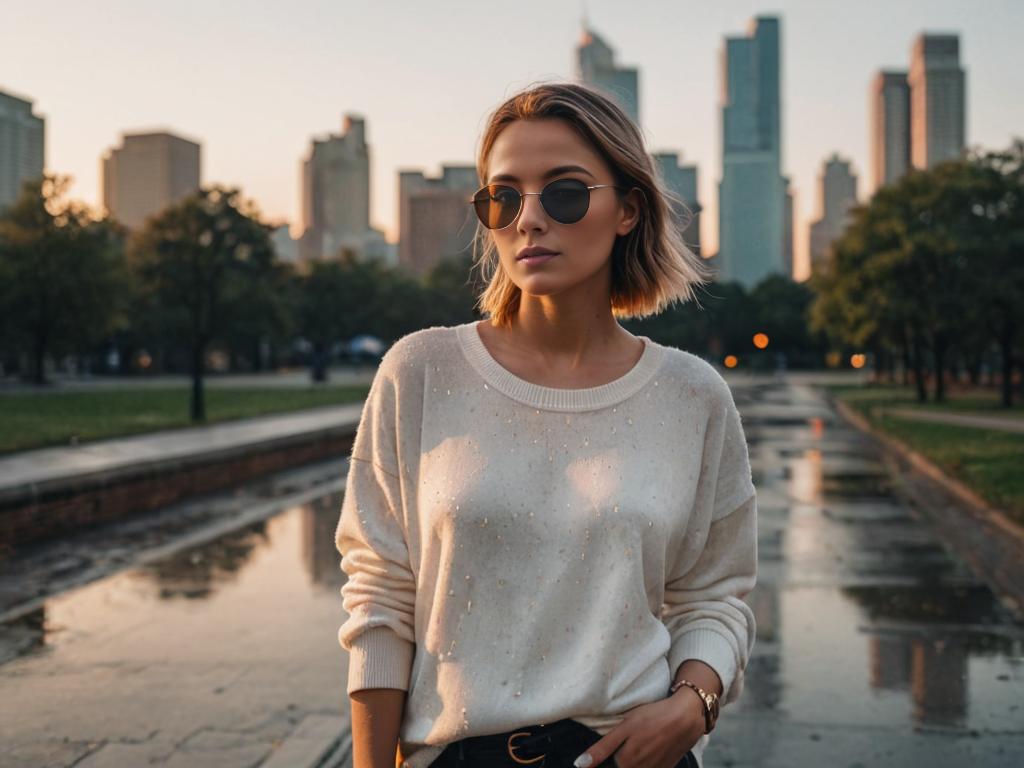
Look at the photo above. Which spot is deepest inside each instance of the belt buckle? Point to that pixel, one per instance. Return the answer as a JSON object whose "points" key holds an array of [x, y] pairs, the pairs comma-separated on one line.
{"points": [[512, 748]]}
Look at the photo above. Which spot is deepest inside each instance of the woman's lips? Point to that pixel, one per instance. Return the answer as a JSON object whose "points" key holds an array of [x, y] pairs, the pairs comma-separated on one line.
{"points": [[538, 259], [535, 254]]}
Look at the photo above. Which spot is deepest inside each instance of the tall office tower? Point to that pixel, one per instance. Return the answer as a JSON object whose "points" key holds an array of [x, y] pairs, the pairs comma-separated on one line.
{"points": [[147, 173], [21, 146], [787, 229], [285, 246], [435, 219], [682, 180], [336, 196], [837, 194], [595, 65], [752, 192], [890, 127], [937, 100]]}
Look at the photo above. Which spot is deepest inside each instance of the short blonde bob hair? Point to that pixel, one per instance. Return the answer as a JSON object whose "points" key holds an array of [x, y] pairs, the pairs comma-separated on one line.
{"points": [[652, 265]]}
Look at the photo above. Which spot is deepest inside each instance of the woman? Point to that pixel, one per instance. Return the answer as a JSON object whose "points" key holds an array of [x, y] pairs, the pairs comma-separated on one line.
{"points": [[549, 522]]}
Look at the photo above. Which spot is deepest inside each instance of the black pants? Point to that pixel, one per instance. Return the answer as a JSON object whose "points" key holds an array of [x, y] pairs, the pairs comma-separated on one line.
{"points": [[556, 745]]}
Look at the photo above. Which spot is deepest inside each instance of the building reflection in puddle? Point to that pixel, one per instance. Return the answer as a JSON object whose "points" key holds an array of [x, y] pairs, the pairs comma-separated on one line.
{"points": [[863, 616], [234, 578]]}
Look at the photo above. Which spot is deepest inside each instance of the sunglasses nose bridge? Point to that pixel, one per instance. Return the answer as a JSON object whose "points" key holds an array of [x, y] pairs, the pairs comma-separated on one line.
{"points": [[526, 211]]}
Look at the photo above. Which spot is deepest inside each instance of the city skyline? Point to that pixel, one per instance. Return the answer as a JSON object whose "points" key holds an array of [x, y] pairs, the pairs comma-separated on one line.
{"points": [[830, 55]]}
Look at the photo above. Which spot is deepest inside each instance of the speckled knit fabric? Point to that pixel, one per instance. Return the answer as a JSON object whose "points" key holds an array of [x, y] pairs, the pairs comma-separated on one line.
{"points": [[518, 554]]}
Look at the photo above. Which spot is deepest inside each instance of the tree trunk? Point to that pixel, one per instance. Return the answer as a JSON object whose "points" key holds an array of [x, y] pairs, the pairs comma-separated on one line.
{"points": [[974, 370], [39, 360], [940, 367], [319, 368], [878, 362], [890, 365], [918, 365], [905, 355], [198, 402], [257, 354], [1006, 348]]}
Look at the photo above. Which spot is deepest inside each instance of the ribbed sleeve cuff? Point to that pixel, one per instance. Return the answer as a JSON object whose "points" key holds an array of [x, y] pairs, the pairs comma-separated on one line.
{"points": [[379, 658], [709, 646]]}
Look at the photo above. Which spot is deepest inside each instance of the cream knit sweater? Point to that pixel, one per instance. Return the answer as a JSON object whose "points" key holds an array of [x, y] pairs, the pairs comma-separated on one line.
{"points": [[518, 554]]}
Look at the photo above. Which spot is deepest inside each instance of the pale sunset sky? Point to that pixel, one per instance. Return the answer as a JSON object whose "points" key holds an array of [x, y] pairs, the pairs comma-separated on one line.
{"points": [[254, 81]]}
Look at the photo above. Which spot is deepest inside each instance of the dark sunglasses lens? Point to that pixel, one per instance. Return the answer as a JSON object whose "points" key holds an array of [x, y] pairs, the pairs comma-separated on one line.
{"points": [[566, 200], [496, 206]]}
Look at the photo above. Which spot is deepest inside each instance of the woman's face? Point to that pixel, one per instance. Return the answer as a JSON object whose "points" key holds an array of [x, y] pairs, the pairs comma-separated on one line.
{"points": [[529, 154]]}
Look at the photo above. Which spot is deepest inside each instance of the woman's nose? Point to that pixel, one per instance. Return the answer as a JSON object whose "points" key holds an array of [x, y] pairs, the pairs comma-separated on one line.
{"points": [[532, 217]]}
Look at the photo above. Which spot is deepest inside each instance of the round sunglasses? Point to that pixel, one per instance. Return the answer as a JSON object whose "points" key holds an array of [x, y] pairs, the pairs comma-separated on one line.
{"points": [[564, 200]]}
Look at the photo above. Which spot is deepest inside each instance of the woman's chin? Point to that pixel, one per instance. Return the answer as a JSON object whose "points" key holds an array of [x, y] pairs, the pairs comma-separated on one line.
{"points": [[541, 285]]}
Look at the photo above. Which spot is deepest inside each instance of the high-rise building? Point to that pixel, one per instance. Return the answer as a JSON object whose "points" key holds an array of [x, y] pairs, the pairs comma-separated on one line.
{"points": [[336, 196], [787, 229], [890, 127], [918, 118], [285, 246], [682, 180], [937, 100], [837, 194], [147, 173], [22, 137], [595, 65], [435, 219], [752, 193]]}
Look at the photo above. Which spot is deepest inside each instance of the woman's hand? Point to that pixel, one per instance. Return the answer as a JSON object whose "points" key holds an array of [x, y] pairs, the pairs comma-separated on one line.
{"points": [[655, 735]]}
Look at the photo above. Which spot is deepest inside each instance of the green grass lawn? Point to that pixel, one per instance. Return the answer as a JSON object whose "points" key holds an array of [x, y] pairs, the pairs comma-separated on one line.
{"points": [[989, 461], [45, 419]]}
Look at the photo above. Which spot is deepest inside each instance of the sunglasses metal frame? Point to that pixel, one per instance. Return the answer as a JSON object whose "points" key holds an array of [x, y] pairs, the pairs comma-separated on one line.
{"points": [[522, 195]]}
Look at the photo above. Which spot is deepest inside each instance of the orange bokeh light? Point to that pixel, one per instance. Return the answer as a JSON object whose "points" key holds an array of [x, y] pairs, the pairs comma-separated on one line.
{"points": [[857, 361], [731, 361], [760, 340]]}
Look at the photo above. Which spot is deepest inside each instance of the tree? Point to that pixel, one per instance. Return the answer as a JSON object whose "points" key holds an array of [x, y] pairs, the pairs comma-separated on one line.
{"points": [[998, 209], [200, 263], [932, 265], [779, 306], [452, 291], [323, 297], [63, 281]]}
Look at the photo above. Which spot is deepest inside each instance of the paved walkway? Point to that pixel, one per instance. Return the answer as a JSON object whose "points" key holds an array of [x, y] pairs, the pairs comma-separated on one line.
{"points": [[1002, 423], [298, 379], [54, 465], [876, 644]]}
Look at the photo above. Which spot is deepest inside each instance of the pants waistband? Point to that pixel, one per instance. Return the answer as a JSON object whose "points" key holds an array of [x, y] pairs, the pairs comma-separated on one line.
{"points": [[549, 745]]}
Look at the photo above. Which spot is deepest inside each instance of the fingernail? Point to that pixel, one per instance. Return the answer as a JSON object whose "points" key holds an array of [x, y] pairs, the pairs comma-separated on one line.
{"points": [[583, 760]]}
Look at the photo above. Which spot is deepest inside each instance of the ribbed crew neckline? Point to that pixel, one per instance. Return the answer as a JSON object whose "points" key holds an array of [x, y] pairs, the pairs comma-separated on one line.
{"points": [[556, 398]]}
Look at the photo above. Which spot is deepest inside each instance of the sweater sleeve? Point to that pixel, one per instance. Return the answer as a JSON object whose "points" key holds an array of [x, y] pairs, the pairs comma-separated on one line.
{"points": [[717, 565], [379, 594]]}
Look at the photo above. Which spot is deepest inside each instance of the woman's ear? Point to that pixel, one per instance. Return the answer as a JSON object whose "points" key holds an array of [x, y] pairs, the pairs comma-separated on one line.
{"points": [[631, 204]]}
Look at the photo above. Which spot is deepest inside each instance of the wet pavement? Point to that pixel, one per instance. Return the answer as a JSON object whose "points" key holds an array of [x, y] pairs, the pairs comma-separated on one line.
{"points": [[876, 645], [210, 642], [1008, 423], [207, 654]]}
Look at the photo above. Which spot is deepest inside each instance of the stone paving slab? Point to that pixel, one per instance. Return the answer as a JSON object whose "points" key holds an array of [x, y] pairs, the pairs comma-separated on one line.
{"points": [[312, 744], [762, 740]]}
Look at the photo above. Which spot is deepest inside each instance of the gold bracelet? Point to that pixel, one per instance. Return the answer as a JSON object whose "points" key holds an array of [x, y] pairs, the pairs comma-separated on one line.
{"points": [[708, 699]]}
